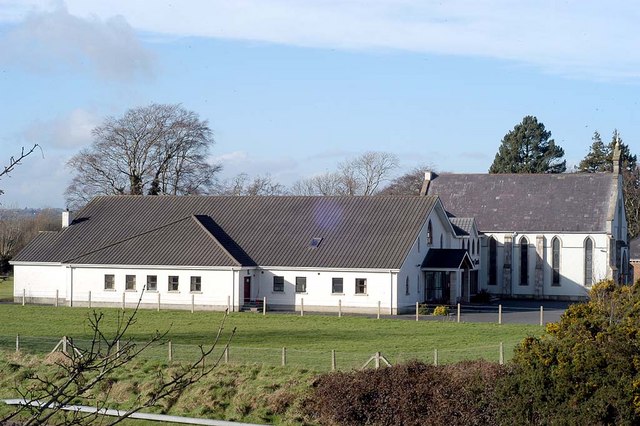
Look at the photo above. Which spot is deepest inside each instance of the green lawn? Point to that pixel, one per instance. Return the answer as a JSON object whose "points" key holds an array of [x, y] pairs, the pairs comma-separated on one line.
{"points": [[6, 290], [260, 339]]}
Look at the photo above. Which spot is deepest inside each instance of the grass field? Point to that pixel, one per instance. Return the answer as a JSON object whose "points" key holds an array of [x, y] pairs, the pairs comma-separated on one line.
{"points": [[260, 339], [6, 290]]}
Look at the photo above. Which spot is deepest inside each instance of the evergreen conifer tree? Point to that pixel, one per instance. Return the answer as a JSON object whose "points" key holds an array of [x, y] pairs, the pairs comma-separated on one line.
{"points": [[528, 149], [600, 156]]}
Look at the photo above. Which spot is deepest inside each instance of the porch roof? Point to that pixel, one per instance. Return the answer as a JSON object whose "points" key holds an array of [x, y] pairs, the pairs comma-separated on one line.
{"points": [[447, 259]]}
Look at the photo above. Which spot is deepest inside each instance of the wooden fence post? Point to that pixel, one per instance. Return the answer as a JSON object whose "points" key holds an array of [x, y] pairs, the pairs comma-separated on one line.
{"points": [[24, 296], [378, 309], [228, 304], [64, 344], [302, 306], [17, 343], [264, 305], [500, 314], [435, 357], [417, 311], [89, 299], [226, 355], [123, 299], [284, 356], [377, 360], [501, 359], [339, 308], [170, 352], [158, 301], [458, 316], [541, 315], [333, 360], [57, 298], [193, 302], [117, 348]]}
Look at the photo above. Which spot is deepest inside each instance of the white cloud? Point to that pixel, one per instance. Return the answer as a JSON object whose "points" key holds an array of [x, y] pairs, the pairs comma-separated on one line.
{"points": [[70, 131], [55, 39], [589, 38]]}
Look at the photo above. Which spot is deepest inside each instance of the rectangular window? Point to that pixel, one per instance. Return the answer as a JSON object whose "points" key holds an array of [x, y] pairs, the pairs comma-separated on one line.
{"points": [[336, 286], [109, 282], [361, 286], [152, 282], [173, 282], [301, 284], [196, 284], [130, 283], [278, 284]]}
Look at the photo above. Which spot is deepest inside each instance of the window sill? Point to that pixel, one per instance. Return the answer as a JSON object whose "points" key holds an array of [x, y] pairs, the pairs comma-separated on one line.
{"points": [[277, 292], [110, 289], [302, 293], [362, 294], [196, 292], [152, 291], [337, 294], [131, 291], [173, 291]]}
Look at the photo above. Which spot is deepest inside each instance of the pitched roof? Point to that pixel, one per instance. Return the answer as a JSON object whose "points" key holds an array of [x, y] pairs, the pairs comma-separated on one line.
{"points": [[568, 202], [356, 232], [463, 226], [446, 259]]}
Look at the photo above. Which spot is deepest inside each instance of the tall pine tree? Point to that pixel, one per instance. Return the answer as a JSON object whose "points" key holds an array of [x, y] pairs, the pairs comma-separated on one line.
{"points": [[600, 156], [528, 149]]}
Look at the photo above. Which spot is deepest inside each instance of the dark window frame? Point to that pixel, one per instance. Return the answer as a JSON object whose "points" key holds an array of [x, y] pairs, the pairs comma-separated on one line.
{"points": [[278, 284], [130, 282], [361, 286], [301, 284], [337, 285], [109, 282], [173, 282], [152, 280], [195, 284]]}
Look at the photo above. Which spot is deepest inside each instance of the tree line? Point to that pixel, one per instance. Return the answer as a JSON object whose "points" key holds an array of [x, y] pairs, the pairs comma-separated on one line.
{"points": [[163, 149]]}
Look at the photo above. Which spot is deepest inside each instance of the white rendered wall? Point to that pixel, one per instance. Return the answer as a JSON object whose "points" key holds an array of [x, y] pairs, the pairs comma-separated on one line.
{"points": [[38, 282], [572, 272]]}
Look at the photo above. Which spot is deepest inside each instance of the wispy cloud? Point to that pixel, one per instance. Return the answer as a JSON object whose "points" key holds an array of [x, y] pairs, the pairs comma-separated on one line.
{"points": [[55, 39], [69, 131], [587, 38]]}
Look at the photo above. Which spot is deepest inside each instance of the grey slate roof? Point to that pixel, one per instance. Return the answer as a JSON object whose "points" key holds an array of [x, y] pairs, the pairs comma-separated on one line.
{"points": [[446, 259], [463, 226], [568, 202], [356, 232]]}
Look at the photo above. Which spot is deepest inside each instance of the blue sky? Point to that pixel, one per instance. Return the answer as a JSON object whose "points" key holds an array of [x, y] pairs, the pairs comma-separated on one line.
{"points": [[291, 88]]}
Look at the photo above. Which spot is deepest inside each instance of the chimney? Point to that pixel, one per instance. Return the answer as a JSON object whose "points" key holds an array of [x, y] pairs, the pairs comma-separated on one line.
{"points": [[617, 160], [66, 218], [428, 177]]}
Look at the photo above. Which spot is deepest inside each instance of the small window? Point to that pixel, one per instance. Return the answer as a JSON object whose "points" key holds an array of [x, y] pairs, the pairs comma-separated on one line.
{"points": [[173, 282], [301, 284], [196, 284], [109, 282], [130, 283], [315, 242], [278, 284], [336, 286], [406, 285], [361, 286], [429, 234], [152, 282]]}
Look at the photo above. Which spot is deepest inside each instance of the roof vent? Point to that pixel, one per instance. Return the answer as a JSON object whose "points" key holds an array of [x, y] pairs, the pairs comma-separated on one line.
{"points": [[315, 242]]}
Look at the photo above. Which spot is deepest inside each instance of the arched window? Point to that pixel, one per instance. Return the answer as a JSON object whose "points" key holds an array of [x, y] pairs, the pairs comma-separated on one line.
{"points": [[473, 246], [406, 285], [429, 234], [524, 261], [441, 246], [555, 261], [588, 262], [493, 261]]}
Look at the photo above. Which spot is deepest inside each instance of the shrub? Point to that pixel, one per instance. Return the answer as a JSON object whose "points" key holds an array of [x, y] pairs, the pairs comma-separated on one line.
{"points": [[585, 369], [441, 311], [410, 394], [423, 309]]}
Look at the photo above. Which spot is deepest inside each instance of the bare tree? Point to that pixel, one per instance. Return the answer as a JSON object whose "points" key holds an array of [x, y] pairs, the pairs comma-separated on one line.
{"points": [[358, 176], [242, 184], [88, 374], [156, 149], [16, 160], [409, 183]]}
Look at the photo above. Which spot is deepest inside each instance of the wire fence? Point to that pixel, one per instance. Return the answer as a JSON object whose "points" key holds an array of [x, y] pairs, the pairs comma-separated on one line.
{"points": [[313, 360]]}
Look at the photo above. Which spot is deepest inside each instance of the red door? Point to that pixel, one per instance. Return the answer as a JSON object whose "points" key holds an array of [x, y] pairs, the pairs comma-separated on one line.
{"points": [[247, 289]]}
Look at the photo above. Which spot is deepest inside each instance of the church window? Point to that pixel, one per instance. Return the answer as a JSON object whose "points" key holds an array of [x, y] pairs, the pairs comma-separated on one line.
{"points": [[524, 261], [555, 261], [429, 234], [406, 285], [493, 261], [441, 246], [588, 262]]}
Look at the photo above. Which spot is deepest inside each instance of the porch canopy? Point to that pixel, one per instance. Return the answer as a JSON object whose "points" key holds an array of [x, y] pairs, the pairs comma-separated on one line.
{"points": [[446, 274]]}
